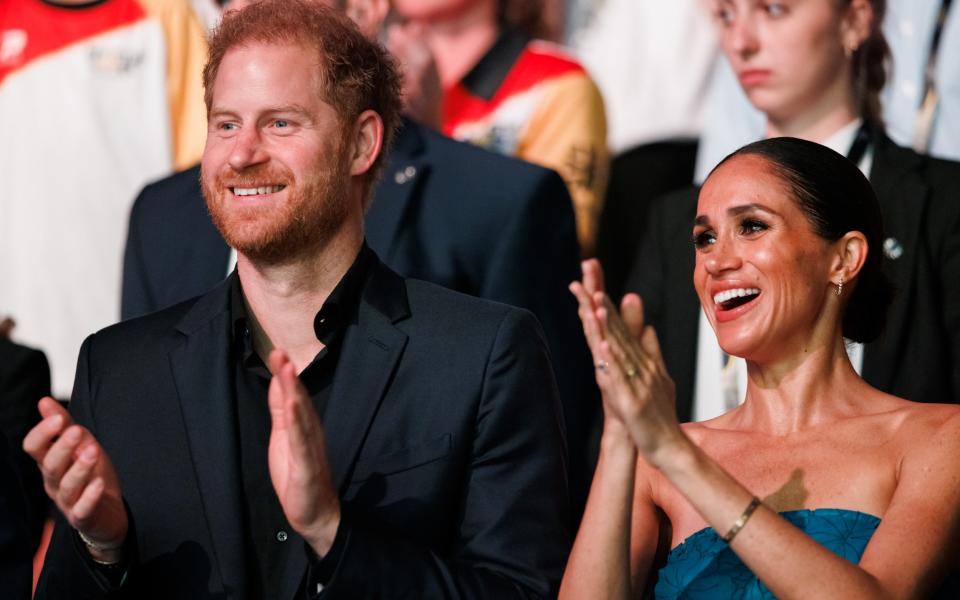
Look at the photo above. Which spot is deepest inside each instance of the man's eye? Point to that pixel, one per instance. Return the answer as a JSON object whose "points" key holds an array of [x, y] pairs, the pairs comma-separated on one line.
{"points": [[724, 15], [228, 126], [703, 239], [280, 124]]}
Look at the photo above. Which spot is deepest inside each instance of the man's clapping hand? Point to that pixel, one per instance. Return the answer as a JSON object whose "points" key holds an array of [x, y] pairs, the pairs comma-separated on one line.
{"points": [[80, 479], [298, 458]]}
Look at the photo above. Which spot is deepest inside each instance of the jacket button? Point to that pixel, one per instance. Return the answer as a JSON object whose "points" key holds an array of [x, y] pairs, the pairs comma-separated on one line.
{"points": [[281, 536]]}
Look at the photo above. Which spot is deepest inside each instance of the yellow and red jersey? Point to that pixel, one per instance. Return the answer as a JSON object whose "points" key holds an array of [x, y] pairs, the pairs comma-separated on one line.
{"points": [[530, 100]]}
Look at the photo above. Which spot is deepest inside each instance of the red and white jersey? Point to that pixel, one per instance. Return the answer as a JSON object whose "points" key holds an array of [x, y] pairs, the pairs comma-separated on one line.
{"points": [[95, 101]]}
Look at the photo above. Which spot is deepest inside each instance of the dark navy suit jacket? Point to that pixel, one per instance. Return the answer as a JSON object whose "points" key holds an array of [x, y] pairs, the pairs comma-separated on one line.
{"points": [[445, 212], [443, 432]]}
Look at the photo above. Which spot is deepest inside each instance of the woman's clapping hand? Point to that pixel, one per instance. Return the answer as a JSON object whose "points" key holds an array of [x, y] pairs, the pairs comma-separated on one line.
{"points": [[638, 394]]}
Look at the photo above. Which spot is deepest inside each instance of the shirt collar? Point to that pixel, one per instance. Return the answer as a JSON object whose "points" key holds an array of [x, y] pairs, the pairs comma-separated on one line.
{"points": [[335, 313], [486, 77], [842, 139]]}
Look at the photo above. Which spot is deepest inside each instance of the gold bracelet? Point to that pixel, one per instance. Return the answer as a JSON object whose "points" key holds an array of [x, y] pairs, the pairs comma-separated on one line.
{"points": [[744, 517]]}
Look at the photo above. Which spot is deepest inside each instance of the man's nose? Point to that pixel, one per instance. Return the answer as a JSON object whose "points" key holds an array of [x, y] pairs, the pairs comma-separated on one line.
{"points": [[247, 149]]}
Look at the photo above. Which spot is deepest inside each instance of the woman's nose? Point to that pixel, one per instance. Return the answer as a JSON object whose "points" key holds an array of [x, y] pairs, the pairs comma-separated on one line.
{"points": [[743, 35], [722, 257]]}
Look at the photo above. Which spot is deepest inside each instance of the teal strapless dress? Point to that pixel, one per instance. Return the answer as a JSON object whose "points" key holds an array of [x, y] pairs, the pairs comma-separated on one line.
{"points": [[704, 567]]}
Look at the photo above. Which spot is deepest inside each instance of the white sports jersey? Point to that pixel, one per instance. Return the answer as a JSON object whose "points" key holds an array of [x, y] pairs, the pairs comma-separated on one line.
{"points": [[92, 103]]}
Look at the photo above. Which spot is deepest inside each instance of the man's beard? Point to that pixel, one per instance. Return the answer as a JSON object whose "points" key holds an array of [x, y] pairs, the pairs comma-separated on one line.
{"points": [[302, 224]]}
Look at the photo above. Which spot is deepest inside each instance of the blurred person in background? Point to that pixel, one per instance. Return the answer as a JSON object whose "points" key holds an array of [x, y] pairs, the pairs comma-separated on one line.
{"points": [[921, 101], [815, 68], [504, 91], [16, 548], [97, 97], [24, 378]]}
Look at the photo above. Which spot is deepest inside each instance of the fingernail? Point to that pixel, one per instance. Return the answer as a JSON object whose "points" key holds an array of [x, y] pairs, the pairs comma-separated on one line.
{"points": [[89, 454]]}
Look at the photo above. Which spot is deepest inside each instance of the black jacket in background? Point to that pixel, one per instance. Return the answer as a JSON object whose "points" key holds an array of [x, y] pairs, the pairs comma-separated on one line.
{"points": [[16, 548], [24, 379]]}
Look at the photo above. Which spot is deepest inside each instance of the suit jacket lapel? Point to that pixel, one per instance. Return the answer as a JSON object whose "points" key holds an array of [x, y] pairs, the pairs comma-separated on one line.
{"points": [[202, 373], [371, 350], [394, 196], [901, 192]]}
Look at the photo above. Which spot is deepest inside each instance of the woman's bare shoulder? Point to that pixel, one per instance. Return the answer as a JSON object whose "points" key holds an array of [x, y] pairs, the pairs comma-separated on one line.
{"points": [[696, 430], [927, 433], [922, 418], [720, 427]]}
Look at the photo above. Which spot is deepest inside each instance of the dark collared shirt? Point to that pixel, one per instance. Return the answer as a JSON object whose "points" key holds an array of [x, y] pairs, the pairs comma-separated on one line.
{"points": [[270, 537]]}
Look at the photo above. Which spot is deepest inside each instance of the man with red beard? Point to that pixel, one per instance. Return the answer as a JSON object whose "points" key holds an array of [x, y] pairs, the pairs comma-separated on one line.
{"points": [[316, 426]]}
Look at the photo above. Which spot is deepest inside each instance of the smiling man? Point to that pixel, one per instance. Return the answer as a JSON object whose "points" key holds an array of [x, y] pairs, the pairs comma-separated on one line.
{"points": [[316, 425]]}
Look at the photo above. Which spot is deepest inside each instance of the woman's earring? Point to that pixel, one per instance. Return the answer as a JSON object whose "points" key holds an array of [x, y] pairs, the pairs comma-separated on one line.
{"points": [[849, 49], [840, 287]]}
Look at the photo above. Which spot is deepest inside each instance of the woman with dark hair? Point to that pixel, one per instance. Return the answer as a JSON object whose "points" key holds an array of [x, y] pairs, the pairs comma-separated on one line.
{"points": [[818, 485], [815, 67]]}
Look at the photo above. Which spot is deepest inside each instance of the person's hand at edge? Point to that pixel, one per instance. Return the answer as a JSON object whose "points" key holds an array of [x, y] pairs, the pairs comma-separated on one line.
{"points": [[81, 480]]}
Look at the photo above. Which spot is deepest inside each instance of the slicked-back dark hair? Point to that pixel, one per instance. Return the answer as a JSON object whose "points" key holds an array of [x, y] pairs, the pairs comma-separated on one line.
{"points": [[837, 199], [357, 74]]}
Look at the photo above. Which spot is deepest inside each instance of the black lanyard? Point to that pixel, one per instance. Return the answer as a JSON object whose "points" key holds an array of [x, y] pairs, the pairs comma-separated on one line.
{"points": [[860, 143]]}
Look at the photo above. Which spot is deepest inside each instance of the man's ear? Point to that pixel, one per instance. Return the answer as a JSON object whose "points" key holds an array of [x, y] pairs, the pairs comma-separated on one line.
{"points": [[366, 142], [852, 251], [369, 15]]}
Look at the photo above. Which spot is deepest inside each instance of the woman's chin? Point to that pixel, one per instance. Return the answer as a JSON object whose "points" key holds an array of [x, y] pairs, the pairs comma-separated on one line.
{"points": [[745, 345]]}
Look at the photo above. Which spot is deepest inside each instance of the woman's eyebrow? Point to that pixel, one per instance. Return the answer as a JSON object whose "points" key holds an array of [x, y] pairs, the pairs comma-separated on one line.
{"points": [[734, 211], [739, 209]]}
